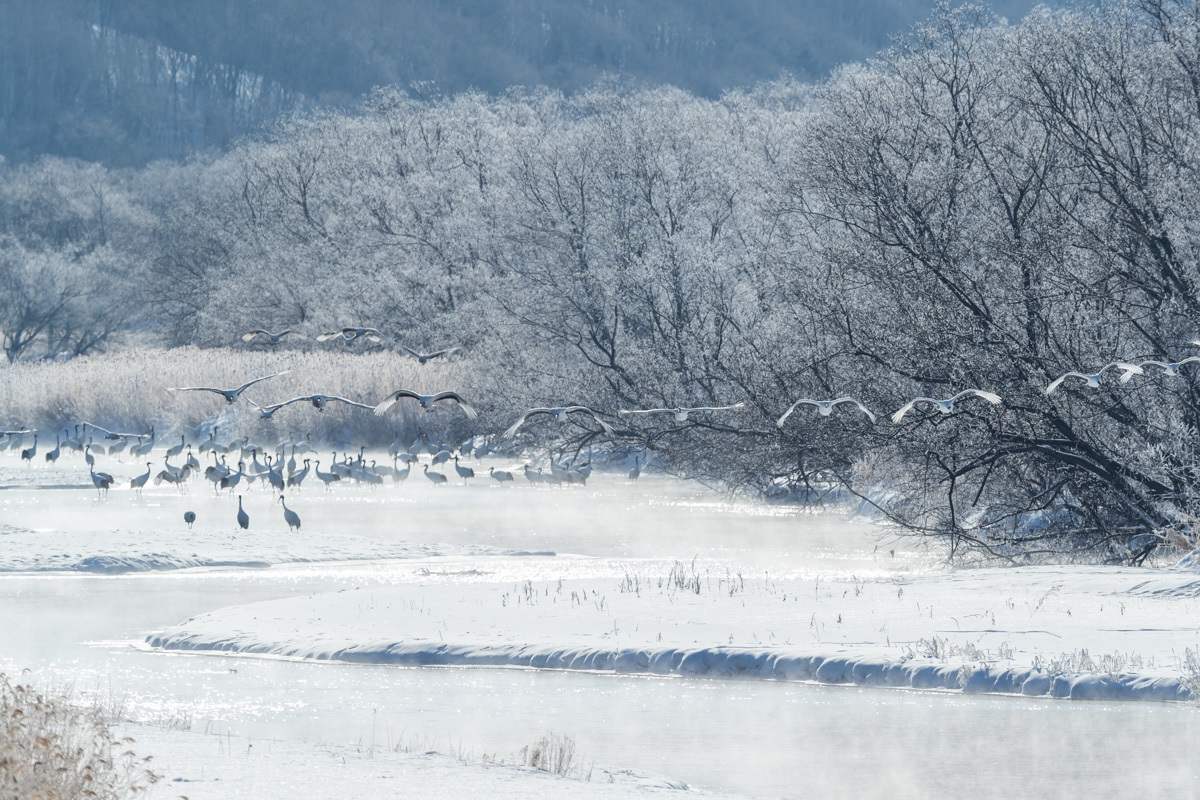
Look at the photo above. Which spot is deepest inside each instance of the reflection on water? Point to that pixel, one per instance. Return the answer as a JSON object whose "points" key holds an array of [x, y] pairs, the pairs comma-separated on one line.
{"points": [[758, 737]]}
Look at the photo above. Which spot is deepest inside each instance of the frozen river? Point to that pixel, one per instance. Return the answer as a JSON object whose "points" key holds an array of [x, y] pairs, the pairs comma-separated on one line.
{"points": [[755, 737]]}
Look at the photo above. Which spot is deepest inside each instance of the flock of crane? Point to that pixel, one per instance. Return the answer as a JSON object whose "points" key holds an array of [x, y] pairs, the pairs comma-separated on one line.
{"points": [[279, 475], [288, 467]]}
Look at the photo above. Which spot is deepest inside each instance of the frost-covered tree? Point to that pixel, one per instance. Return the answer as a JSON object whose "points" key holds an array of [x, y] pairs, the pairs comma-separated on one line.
{"points": [[67, 234], [982, 206]]}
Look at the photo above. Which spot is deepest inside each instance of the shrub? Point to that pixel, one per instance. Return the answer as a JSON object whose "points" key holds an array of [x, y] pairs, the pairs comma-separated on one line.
{"points": [[53, 750]]}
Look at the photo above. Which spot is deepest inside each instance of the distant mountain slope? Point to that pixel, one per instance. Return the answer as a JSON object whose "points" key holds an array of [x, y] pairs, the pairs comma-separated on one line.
{"points": [[126, 81]]}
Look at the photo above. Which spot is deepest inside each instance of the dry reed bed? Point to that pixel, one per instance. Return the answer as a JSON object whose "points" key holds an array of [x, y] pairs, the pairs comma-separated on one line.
{"points": [[127, 391], [51, 749]]}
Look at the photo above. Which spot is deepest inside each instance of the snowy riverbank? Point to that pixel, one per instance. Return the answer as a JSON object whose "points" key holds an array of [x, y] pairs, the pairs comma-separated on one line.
{"points": [[1067, 632]]}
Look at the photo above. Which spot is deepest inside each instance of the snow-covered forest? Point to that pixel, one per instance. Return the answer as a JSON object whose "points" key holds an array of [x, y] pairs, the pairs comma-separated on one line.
{"points": [[128, 81], [984, 205], [608, 399]]}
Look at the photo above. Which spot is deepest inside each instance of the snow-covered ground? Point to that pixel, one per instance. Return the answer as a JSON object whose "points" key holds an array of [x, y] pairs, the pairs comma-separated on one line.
{"points": [[1071, 632], [206, 766], [112, 552], [622, 611]]}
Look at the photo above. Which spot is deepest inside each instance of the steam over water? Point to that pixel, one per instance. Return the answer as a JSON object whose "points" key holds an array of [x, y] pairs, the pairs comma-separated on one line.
{"points": [[754, 737]]}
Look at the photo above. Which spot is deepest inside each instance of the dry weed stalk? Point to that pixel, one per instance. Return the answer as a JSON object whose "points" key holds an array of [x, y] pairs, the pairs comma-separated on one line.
{"points": [[552, 753], [51, 749]]}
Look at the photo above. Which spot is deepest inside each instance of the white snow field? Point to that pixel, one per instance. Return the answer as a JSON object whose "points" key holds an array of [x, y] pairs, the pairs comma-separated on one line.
{"points": [[208, 766], [729, 646], [1069, 632]]}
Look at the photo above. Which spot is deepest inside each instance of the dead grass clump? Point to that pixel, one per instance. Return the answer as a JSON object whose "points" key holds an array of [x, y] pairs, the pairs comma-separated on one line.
{"points": [[1080, 662], [1190, 673], [943, 650], [553, 753], [683, 578], [53, 750]]}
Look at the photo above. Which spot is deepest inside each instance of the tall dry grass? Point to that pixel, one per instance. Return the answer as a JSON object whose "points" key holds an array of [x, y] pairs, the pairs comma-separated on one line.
{"points": [[554, 753], [127, 391], [51, 749]]}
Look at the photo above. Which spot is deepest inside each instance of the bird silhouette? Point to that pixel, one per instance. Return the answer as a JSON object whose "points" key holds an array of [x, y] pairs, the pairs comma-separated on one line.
{"points": [[350, 334], [101, 480], [463, 472], [824, 407], [636, 472], [52, 456], [423, 358], [290, 517], [560, 413], [426, 401], [273, 338], [28, 453], [243, 519], [1093, 380], [1170, 368], [680, 414], [319, 401], [945, 406], [229, 394], [140, 481]]}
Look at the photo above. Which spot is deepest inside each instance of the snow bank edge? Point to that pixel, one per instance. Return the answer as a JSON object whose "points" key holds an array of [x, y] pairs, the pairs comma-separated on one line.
{"points": [[729, 662]]}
